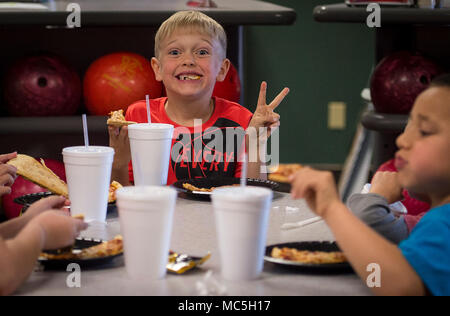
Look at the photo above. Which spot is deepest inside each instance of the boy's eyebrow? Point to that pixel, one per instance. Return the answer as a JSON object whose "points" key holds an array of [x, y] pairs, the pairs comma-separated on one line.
{"points": [[422, 117], [208, 41], [419, 117], [203, 39]]}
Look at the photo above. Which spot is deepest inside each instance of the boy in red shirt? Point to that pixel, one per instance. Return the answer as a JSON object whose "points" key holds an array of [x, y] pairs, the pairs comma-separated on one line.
{"points": [[190, 57]]}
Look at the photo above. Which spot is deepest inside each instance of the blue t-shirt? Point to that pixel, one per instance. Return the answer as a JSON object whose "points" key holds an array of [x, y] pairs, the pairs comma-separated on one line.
{"points": [[428, 250]]}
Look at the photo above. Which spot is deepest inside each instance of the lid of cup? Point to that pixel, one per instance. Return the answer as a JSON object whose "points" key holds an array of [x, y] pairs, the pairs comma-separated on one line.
{"points": [[150, 131], [242, 193], [89, 151], [143, 193], [151, 126]]}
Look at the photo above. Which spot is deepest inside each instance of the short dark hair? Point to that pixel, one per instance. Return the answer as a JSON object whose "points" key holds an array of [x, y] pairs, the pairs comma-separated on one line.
{"points": [[441, 81]]}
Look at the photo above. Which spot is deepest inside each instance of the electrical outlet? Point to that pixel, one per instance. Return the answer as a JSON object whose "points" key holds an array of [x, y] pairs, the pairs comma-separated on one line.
{"points": [[337, 113]]}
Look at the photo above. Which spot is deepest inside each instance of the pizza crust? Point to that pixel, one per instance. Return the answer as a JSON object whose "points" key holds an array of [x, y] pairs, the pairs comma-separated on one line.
{"points": [[118, 119]]}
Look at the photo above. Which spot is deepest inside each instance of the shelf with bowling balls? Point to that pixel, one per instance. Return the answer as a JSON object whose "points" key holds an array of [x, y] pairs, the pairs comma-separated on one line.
{"points": [[402, 72], [46, 85]]}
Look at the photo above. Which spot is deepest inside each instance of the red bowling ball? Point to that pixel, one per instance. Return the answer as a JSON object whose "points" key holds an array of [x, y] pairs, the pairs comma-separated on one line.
{"points": [[398, 79], [42, 85], [116, 80]]}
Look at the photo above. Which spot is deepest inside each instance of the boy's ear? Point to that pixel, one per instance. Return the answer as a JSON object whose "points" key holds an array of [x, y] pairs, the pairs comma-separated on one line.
{"points": [[223, 69], [156, 68]]}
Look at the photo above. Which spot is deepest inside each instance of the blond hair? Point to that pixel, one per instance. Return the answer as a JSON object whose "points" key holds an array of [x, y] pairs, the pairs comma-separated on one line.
{"points": [[194, 20]]}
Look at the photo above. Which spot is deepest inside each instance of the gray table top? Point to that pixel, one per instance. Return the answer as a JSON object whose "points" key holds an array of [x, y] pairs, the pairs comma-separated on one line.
{"points": [[194, 233]]}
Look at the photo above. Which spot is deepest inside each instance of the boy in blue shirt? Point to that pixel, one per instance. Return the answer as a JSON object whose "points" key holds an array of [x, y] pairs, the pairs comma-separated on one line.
{"points": [[420, 265]]}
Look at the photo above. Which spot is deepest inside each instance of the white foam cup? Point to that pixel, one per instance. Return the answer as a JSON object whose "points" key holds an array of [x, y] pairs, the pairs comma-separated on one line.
{"points": [[150, 152], [241, 215], [88, 173], [146, 218]]}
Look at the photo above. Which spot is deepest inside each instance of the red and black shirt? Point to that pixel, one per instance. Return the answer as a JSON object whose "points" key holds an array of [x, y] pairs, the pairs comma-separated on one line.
{"points": [[210, 150]]}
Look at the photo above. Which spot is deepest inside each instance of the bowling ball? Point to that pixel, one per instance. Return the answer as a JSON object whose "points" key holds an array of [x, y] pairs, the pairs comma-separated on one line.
{"points": [[230, 87], [398, 79], [22, 187], [414, 206], [116, 80], [42, 85], [201, 4]]}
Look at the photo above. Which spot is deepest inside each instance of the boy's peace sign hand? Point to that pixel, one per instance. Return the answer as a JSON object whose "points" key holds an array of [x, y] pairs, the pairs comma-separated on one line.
{"points": [[264, 115]]}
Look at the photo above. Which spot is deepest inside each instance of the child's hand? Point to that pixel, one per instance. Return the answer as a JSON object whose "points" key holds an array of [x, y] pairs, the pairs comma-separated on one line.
{"points": [[118, 139], [58, 228], [264, 115], [317, 187], [7, 173], [51, 202], [386, 184]]}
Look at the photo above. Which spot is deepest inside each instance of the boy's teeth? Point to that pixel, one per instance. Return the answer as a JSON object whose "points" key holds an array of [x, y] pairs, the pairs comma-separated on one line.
{"points": [[190, 77]]}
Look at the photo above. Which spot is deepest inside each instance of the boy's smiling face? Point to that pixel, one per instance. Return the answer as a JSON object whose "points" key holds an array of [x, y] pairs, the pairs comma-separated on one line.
{"points": [[190, 63], [423, 158]]}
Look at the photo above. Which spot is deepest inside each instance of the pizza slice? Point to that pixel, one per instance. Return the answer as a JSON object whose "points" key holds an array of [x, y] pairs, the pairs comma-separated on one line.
{"points": [[105, 249], [193, 188], [116, 118], [38, 173], [112, 191], [282, 172], [309, 257]]}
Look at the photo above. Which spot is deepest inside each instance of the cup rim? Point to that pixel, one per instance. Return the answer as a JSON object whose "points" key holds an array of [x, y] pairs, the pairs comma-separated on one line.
{"points": [[238, 193], [80, 151], [151, 191], [151, 126]]}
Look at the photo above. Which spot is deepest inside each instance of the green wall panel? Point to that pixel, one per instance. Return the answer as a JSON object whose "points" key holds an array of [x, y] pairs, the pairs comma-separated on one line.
{"points": [[319, 62]]}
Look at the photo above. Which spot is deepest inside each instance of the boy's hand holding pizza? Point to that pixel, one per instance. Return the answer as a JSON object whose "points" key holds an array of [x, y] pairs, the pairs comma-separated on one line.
{"points": [[118, 139]]}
